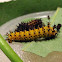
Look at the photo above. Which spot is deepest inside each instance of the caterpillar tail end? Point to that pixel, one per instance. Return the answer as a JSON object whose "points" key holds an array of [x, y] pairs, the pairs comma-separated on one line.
{"points": [[10, 41]]}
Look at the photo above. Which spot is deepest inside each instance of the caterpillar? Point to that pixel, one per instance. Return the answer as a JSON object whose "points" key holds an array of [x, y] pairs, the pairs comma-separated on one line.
{"points": [[30, 25], [32, 34]]}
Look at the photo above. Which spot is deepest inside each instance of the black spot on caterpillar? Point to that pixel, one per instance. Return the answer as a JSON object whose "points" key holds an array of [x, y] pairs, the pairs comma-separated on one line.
{"points": [[30, 25], [41, 32]]}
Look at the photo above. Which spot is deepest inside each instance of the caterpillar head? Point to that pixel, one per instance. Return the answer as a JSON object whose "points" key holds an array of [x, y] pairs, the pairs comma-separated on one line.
{"points": [[53, 31], [49, 32], [57, 27]]}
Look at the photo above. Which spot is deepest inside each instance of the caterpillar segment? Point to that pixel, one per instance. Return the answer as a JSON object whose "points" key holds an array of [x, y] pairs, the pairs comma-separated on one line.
{"points": [[29, 25], [43, 32]]}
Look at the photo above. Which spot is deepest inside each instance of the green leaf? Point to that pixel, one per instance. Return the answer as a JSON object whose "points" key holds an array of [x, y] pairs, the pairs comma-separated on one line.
{"points": [[42, 48]]}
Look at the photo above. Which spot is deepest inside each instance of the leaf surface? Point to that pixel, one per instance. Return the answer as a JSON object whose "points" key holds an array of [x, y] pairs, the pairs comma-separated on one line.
{"points": [[43, 47]]}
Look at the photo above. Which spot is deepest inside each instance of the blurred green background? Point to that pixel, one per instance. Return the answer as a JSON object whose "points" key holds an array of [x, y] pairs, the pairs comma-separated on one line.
{"points": [[13, 9]]}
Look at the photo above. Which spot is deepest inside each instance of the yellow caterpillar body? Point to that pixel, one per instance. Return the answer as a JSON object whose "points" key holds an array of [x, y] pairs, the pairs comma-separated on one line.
{"points": [[43, 32]]}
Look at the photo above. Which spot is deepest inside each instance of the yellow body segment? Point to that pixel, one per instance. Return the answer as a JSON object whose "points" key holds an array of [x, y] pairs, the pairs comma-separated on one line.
{"points": [[36, 31], [32, 34], [22, 35], [26, 35]]}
